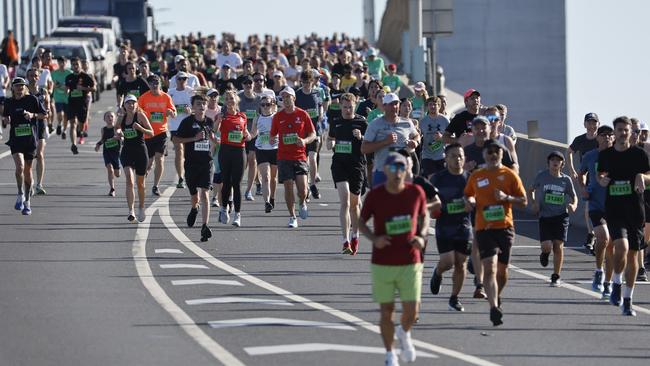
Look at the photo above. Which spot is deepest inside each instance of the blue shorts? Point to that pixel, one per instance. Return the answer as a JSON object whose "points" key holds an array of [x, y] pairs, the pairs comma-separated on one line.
{"points": [[60, 107], [112, 157]]}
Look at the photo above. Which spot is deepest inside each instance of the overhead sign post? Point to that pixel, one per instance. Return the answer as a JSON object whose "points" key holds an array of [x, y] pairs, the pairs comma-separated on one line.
{"points": [[437, 21]]}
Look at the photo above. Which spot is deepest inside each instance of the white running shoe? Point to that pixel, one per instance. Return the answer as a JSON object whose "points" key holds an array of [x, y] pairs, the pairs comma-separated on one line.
{"points": [[249, 196], [293, 222], [391, 359], [303, 212], [141, 215], [408, 351], [224, 217], [236, 221], [215, 201]]}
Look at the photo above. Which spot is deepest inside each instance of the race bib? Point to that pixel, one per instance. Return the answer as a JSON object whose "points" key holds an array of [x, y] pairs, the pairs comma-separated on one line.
{"points": [[343, 147], [157, 117], [289, 138], [313, 113], [76, 93], [264, 138], [202, 145], [456, 206], [398, 225], [553, 198], [24, 129], [111, 143], [494, 213], [620, 188], [335, 106], [181, 108], [251, 113], [235, 136], [135, 93], [417, 114], [130, 133], [436, 145]]}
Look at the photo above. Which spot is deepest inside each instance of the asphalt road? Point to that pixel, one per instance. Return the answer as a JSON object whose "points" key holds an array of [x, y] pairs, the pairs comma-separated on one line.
{"points": [[82, 286]]}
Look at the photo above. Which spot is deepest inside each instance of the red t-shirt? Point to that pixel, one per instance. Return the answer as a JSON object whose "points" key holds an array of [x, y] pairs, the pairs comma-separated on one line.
{"points": [[233, 129], [395, 215], [289, 126]]}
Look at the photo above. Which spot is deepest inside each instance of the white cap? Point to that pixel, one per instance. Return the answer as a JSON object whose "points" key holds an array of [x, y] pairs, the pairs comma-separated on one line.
{"points": [[277, 73], [212, 91], [419, 86], [643, 126], [288, 90], [179, 58], [315, 74], [130, 98], [390, 98], [268, 93], [182, 74], [371, 52]]}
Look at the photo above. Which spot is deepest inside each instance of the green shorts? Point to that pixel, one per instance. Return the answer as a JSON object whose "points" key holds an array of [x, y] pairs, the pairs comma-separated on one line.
{"points": [[407, 280]]}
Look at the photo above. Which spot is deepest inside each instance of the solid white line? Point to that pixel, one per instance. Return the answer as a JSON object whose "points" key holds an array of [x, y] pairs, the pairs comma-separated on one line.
{"points": [[148, 280], [169, 223], [168, 251], [589, 282], [237, 300], [5, 154], [202, 281], [183, 265], [253, 322], [317, 347], [570, 286]]}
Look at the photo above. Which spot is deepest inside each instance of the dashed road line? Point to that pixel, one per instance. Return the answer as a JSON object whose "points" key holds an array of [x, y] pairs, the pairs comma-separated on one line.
{"points": [[183, 266], [237, 300], [256, 322], [205, 281], [168, 251], [320, 347]]}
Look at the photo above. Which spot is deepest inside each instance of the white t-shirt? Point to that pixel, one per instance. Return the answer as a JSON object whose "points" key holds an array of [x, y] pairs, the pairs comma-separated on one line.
{"points": [[181, 98], [291, 73], [4, 75], [43, 79], [192, 82], [233, 59]]}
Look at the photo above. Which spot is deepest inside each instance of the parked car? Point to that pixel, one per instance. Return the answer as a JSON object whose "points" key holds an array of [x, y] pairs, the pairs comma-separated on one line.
{"points": [[93, 21]]}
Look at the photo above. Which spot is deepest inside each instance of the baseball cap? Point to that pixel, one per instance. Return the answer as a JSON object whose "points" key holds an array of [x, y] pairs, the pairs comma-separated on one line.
{"points": [[470, 92], [643, 126], [395, 158], [392, 67], [315, 74], [288, 90], [212, 91], [153, 77], [591, 116], [277, 73], [604, 129], [182, 74], [419, 86], [269, 93], [130, 98], [371, 52], [481, 119], [226, 65], [18, 81], [390, 98], [492, 143], [556, 154], [247, 79], [179, 58]]}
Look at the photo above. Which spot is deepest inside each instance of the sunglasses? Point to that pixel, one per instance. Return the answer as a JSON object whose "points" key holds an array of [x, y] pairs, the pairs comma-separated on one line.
{"points": [[636, 131], [248, 82], [493, 118], [394, 168], [181, 78], [266, 104], [259, 80], [607, 135]]}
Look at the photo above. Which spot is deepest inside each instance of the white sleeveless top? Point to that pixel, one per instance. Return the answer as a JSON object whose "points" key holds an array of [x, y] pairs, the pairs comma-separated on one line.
{"points": [[264, 133]]}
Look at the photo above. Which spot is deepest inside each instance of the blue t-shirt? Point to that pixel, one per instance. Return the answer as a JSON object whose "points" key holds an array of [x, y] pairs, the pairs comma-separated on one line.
{"points": [[454, 223], [596, 191]]}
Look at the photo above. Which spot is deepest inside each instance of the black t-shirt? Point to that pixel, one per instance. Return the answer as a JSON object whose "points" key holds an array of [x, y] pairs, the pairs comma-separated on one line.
{"points": [[429, 190], [137, 87], [583, 145], [310, 102], [196, 152], [338, 69], [348, 148], [462, 122], [361, 109], [454, 223], [622, 202], [474, 152], [119, 70], [108, 141], [71, 82], [22, 132]]}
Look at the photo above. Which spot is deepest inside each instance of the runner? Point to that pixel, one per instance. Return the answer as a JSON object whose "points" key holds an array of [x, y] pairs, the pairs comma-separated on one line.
{"points": [[249, 104], [132, 128], [231, 125], [158, 106], [132, 84], [433, 126], [42, 132], [296, 131], [348, 168], [111, 150], [308, 99], [82, 129], [266, 152], [21, 112], [4, 84], [401, 225], [453, 225], [195, 132], [211, 112], [553, 198], [79, 85], [181, 96], [492, 191], [595, 194], [60, 96], [623, 169], [639, 137]]}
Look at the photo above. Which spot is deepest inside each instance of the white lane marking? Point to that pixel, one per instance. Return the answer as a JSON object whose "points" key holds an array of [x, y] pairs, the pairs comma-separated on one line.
{"points": [[5, 154], [237, 300], [168, 251], [169, 223], [149, 281], [571, 287], [204, 281], [323, 204], [253, 322], [183, 265], [316, 347], [590, 282]]}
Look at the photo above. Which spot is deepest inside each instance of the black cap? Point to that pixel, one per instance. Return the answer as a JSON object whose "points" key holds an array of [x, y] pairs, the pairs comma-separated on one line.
{"points": [[556, 154], [246, 78], [604, 129], [493, 143], [18, 81], [591, 116]]}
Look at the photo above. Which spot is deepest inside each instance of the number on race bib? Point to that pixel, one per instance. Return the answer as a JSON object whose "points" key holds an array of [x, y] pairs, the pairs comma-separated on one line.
{"points": [[289, 138], [343, 147], [111, 143], [553, 198], [398, 225], [157, 117], [264, 138], [23, 130], [202, 146], [235, 136], [456, 206], [130, 133], [620, 188], [494, 213]]}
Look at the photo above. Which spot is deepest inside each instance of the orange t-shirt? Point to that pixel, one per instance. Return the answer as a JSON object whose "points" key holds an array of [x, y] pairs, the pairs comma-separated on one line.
{"points": [[482, 184], [156, 109]]}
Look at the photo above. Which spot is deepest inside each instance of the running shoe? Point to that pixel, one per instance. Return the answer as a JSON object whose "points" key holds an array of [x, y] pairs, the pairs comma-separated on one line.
{"points": [[215, 201], [615, 297], [74, 149], [436, 281], [627, 307], [555, 280], [63, 135], [155, 191], [39, 190], [112, 192], [346, 248], [191, 217], [20, 202], [84, 133], [543, 259], [131, 217], [470, 267], [26, 209], [607, 291], [181, 183], [642, 276], [303, 212], [318, 178], [589, 243], [479, 292], [496, 316], [314, 191], [258, 189], [249, 196], [141, 215], [455, 305], [597, 284], [81, 140], [236, 221], [58, 129], [206, 233], [406, 344], [391, 360], [50, 129], [224, 217], [354, 245], [272, 202], [293, 222], [268, 207]]}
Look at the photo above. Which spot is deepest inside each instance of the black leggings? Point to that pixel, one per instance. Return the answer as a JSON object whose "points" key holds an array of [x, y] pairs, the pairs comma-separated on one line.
{"points": [[232, 161]]}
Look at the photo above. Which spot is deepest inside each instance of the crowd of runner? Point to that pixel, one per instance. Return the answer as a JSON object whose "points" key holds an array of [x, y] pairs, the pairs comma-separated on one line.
{"points": [[265, 109]]}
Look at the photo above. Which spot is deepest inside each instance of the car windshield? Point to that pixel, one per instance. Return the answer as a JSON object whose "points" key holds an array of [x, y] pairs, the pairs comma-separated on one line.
{"points": [[65, 34], [67, 51], [84, 23]]}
